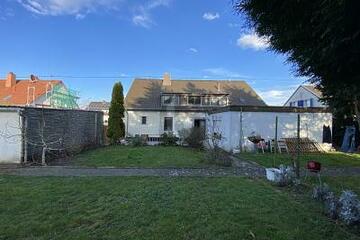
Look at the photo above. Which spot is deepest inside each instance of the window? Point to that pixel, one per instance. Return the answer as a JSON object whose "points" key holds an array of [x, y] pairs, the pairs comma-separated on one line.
{"points": [[195, 100], [169, 99], [199, 123], [300, 103], [291, 104], [143, 120], [311, 102], [168, 124]]}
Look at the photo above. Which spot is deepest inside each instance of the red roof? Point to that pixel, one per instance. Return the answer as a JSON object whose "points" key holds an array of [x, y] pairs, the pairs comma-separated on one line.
{"points": [[18, 94]]}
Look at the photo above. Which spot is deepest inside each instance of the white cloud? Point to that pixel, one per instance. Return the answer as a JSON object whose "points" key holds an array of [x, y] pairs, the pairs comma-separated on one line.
{"points": [[77, 8], [193, 50], [253, 41], [211, 16], [222, 72], [276, 97], [142, 16]]}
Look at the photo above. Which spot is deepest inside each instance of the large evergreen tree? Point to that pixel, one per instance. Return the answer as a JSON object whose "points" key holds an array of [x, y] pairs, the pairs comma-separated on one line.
{"points": [[116, 128], [321, 38]]}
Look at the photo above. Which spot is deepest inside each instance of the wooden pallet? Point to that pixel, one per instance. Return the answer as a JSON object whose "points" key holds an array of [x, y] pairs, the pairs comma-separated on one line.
{"points": [[306, 145]]}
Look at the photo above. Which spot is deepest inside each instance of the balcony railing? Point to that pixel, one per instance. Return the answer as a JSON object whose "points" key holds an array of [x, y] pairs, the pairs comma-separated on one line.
{"points": [[194, 100]]}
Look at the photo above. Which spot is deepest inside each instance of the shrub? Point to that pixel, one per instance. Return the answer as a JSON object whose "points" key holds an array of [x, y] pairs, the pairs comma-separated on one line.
{"points": [[183, 134], [168, 139], [195, 138], [286, 176], [137, 141], [331, 205], [320, 192], [349, 208], [216, 155]]}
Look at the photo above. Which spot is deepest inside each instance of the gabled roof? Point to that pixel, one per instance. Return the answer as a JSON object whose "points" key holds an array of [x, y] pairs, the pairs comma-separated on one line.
{"points": [[99, 106], [145, 93], [313, 90], [310, 88], [17, 95]]}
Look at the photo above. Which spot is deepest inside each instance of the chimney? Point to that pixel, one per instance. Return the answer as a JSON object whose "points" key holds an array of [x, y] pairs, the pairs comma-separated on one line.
{"points": [[166, 80], [10, 80], [218, 87]]}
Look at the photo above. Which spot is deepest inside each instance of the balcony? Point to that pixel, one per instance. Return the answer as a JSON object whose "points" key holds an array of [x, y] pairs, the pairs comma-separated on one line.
{"points": [[207, 100]]}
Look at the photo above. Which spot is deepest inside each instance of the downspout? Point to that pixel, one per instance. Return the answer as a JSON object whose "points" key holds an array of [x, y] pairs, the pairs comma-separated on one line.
{"points": [[127, 123]]}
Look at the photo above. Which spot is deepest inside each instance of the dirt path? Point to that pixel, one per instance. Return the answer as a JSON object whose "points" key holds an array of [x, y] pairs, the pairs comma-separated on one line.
{"points": [[66, 171]]}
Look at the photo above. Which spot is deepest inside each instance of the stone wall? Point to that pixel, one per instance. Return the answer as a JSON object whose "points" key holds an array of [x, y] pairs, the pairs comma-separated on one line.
{"points": [[66, 132]]}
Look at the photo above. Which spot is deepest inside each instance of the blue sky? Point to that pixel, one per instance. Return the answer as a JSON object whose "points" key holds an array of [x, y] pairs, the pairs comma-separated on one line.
{"points": [[90, 44]]}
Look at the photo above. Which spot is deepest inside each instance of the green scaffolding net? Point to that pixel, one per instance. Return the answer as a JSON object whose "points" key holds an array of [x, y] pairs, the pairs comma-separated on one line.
{"points": [[62, 97]]}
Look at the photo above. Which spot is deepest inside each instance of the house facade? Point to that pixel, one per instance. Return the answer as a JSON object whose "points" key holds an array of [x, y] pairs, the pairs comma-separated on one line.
{"points": [[34, 92], [236, 123], [101, 106], [155, 106], [305, 96]]}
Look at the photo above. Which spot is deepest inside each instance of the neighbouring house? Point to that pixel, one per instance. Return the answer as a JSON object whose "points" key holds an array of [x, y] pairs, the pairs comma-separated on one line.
{"points": [[101, 106], [26, 131], [305, 96], [236, 123], [155, 106], [36, 93]]}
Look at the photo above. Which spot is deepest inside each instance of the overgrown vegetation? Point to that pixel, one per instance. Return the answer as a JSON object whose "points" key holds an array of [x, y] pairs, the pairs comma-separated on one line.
{"points": [[157, 208], [193, 137], [168, 139], [116, 128]]}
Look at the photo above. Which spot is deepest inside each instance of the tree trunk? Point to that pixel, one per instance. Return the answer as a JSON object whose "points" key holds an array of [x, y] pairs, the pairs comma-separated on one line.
{"points": [[43, 156]]}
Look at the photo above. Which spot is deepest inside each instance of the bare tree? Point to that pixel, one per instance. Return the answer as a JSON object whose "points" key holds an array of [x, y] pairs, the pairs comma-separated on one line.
{"points": [[47, 144]]}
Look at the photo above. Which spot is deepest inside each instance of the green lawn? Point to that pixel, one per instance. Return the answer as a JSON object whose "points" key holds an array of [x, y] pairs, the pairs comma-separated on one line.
{"points": [[157, 208], [149, 156], [334, 159], [338, 184]]}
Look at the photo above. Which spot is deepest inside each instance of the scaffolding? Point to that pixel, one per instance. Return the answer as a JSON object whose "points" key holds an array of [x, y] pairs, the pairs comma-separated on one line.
{"points": [[59, 96]]}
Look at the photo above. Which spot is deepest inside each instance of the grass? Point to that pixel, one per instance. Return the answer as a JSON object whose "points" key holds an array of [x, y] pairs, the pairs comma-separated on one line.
{"points": [[157, 208], [334, 159], [338, 184], [149, 156]]}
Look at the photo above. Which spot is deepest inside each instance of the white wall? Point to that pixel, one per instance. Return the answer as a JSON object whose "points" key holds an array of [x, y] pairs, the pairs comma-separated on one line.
{"points": [[10, 137], [303, 94], [263, 123], [155, 121]]}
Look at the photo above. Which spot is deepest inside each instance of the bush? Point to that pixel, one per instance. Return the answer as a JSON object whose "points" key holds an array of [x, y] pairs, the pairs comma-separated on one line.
{"points": [[183, 134], [216, 155], [287, 176], [137, 141], [195, 138], [349, 208], [168, 139], [331, 205], [320, 192]]}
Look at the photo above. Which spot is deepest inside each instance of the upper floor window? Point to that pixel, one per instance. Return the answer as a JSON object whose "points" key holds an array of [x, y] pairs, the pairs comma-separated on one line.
{"points": [[169, 99], [195, 100], [143, 120]]}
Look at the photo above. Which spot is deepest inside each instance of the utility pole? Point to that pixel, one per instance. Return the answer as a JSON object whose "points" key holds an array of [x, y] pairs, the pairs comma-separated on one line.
{"points": [[298, 148]]}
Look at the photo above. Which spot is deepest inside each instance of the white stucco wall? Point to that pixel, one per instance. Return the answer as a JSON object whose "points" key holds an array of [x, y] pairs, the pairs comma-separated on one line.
{"points": [[303, 94], [10, 137], [263, 123], [155, 121]]}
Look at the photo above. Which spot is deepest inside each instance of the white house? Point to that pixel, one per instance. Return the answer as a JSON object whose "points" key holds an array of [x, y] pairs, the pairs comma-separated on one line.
{"points": [[101, 106], [305, 96], [236, 123], [155, 106]]}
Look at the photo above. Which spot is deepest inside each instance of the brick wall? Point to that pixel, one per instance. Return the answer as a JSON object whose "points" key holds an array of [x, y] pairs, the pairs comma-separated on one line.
{"points": [[66, 131]]}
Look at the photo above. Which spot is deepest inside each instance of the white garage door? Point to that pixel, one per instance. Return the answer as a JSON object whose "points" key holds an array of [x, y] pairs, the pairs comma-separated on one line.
{"points": [[10, 137]]}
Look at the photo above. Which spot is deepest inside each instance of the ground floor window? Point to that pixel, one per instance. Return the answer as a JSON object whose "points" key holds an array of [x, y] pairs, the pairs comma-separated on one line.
{"points": [[143, 120], [200, 123], [168, 124]]}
